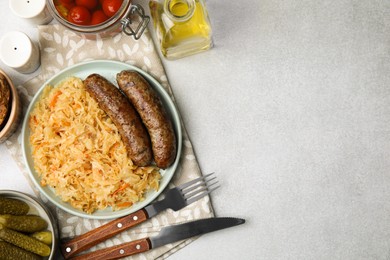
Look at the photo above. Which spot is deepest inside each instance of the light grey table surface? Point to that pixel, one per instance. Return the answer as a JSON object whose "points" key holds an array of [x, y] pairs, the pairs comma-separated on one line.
{"points": [[291, 109]]}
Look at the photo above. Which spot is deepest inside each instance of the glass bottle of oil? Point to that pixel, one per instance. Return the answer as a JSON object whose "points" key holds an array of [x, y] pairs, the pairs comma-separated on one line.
{"points": [[182, 27]]}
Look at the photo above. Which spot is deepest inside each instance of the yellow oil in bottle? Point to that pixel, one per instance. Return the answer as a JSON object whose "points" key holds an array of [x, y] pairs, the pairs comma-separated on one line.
{"points": [[179, 8], [182, 27]]}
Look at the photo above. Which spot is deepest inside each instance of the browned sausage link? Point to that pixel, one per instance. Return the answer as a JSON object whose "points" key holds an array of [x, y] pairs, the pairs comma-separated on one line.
{"points": [[126, 119], [153, 115], [5, 100]]}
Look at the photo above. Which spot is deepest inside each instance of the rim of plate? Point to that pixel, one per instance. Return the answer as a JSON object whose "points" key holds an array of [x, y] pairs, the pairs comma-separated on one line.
{"points": [[167, 174]]}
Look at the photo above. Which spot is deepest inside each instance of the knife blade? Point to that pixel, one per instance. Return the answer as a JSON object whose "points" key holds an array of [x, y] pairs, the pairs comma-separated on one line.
{"points": [[167, 235]]}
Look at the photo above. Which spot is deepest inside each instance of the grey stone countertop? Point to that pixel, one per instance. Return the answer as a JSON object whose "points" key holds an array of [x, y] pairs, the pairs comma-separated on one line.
{"points": [[291, 110]]}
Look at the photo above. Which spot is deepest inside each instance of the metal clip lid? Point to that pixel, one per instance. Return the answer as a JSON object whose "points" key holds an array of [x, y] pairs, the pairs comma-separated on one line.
{"points": [[126, 22]]}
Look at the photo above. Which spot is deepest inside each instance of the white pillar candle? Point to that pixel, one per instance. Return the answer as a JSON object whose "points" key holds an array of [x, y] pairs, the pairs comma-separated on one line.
{"points": [[19, 52], [35, 11]]}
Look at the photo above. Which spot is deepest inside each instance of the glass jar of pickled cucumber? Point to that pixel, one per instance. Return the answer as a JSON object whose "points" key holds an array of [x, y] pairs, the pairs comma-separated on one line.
{"points": [[182, 27]]}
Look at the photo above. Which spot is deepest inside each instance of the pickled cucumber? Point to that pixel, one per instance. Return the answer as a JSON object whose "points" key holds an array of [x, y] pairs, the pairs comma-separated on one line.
{"points": [[27, 223], [23, 241], [13, 206], [43, 236], [11, 252]]}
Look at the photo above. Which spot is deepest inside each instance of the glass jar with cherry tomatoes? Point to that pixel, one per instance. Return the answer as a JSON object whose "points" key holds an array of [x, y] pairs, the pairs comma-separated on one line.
{"points": [[94, 19]]}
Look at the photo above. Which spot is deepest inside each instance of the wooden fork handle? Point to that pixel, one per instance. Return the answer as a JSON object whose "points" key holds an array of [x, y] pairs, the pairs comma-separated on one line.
{"points": [[119, 251], [97, 235]]}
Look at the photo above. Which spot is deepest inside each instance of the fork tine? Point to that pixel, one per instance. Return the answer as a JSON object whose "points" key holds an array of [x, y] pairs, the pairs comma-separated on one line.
{"points": [[197, 185], [198, 188], [193, 199], [187, 184]]}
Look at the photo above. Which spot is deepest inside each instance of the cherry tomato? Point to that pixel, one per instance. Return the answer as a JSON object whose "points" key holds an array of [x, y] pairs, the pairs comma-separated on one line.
{"points": [[68, 4], [110, 7], [98, 17], [90, 4], [79, 15]]}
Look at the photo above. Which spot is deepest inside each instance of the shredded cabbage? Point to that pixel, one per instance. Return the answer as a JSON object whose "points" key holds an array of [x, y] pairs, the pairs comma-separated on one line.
{"points": [[77, 150]]}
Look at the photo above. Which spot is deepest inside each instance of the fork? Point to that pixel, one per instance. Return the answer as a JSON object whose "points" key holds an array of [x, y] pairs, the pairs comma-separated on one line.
{"points": [[175, 199]]}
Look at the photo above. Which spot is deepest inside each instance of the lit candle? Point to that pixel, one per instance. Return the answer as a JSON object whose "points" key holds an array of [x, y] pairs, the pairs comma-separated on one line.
{"points": [[19, 52], [34, 11]]}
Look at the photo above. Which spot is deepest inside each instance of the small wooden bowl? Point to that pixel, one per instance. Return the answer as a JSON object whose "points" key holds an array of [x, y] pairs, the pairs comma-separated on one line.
{"points": [[15, 114]]}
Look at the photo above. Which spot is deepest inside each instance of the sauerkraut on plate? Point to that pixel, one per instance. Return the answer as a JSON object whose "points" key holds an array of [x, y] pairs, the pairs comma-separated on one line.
{"points": [[77, 151]]}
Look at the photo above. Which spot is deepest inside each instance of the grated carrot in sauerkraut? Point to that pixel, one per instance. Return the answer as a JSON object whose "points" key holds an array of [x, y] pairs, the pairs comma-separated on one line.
{"points": [[78, 151]]}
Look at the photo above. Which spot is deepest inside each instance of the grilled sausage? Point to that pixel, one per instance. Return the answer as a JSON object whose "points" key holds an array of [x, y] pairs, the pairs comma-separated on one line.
{"points": [[124, 116], [5, 100], [153, 115]]}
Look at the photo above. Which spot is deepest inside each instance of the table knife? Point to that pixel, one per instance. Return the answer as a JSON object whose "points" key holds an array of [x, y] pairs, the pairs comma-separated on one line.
{"points": [[167, 235]]}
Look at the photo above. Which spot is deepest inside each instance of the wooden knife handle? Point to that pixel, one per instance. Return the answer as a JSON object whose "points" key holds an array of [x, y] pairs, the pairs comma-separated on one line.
{"points": [[97, 235], [119, 251]]}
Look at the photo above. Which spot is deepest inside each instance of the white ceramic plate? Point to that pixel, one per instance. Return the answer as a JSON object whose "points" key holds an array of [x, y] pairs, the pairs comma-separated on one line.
{"points": [[37, 208], [107, 69]]}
